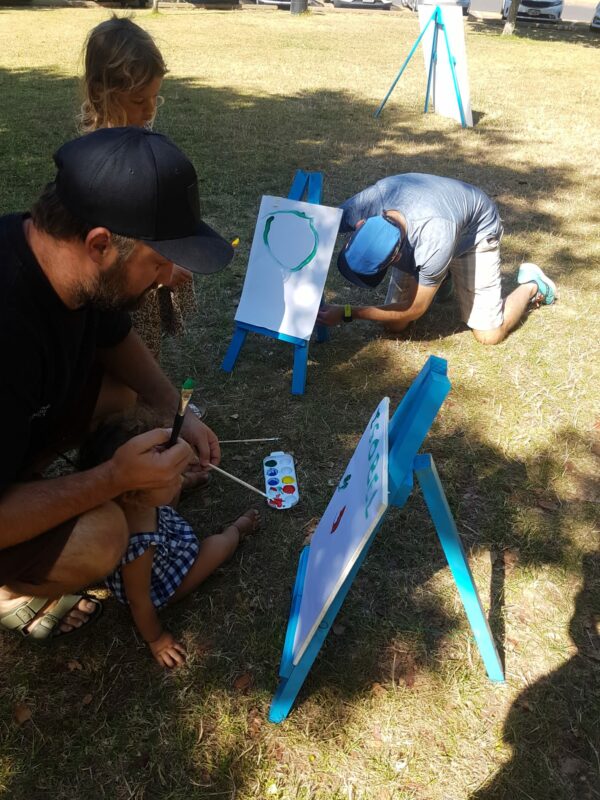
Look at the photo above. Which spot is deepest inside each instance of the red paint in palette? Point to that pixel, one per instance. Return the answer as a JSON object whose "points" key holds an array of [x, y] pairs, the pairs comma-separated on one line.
{"points": [[288, 489]]}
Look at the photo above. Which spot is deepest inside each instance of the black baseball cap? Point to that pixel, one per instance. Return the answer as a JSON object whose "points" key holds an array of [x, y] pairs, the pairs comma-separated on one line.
{"points": [[139, 184]]}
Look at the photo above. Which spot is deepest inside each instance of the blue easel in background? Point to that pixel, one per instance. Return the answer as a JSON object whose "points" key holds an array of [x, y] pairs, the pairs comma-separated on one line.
{"points": [[438, 24], [312, 184], [408, 428]]}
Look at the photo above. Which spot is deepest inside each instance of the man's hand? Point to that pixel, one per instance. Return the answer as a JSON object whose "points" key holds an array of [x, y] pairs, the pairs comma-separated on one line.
{"points": [[330, 315], [168, 651], [203, 441], [144, 463]]}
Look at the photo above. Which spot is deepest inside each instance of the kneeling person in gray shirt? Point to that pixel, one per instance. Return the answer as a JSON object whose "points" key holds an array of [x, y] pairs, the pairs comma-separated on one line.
{"points": [[424, 227]]}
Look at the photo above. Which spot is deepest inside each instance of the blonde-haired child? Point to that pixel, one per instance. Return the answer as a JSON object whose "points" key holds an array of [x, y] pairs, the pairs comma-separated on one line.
{"points": [[164, 561], [124, 70]]}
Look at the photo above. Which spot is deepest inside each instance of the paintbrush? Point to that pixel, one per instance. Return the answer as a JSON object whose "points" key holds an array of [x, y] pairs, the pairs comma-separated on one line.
{"points": [[238, 480], [243, 441], [184, 398]]}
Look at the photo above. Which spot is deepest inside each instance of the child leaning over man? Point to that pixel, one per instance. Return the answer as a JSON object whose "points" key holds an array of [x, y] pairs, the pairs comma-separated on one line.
{"points": [[164, 561]]}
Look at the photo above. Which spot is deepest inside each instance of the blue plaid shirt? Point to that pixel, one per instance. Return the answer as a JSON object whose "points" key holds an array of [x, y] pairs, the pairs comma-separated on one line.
{"points": [[176, 547]]}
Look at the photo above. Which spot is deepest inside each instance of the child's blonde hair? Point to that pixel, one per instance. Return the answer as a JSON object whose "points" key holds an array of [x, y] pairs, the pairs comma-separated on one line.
{"points": [[119, 56]]}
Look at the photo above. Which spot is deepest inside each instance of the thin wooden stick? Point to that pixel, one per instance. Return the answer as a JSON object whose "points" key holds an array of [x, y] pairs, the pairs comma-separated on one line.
{"points": [[238, 480], [236, 441]]}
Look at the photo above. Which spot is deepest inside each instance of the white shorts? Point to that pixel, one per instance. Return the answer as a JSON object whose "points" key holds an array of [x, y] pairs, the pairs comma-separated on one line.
{"points": [[477, 284]]}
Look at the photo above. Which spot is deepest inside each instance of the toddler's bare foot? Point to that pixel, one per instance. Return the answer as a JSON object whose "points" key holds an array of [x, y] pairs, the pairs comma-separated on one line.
{"points": [[249, 522]]}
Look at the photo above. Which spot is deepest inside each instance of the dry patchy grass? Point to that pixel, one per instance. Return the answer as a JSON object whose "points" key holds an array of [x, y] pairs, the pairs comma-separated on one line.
{"points": [[397, 705]]}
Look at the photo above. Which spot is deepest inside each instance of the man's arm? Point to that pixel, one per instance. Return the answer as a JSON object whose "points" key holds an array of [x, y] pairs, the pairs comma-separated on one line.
{"points": [[395, 317], [131, 363], [28, 509]]}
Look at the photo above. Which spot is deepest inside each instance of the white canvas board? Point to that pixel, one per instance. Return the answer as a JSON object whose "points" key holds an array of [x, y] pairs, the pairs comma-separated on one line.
{"points": [[356, 507], [443, 94], [287, 269]]}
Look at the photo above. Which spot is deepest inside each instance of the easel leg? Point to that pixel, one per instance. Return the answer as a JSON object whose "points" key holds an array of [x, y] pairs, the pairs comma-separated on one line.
{"points": [[432, 60], [457, 561], [403, 67], [233, 351], [452, 63], [300, 365]]}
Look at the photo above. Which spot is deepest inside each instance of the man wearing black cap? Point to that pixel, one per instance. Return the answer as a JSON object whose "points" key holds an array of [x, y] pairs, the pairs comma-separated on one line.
{"points": [[123, 207], [425, 227]]}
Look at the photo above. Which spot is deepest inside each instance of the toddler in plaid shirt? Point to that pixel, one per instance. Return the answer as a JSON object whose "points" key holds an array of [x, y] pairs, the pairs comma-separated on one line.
{"points": [[164, 561]]}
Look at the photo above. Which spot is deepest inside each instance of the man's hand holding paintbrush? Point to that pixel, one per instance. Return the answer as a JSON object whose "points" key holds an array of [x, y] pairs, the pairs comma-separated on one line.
{"points": [[145, 462], [202, 439]]}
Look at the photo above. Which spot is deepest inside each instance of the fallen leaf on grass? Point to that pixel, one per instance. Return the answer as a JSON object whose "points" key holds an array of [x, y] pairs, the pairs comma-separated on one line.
{"points": [[510, 558], [409, 673], [522, 703], [339, 629], [73, 665], [571, 766], [87, 699], [234, 416], [21, 713], [243, 682], [255, 723], [278, 752], [378, 690], [548, 505]]}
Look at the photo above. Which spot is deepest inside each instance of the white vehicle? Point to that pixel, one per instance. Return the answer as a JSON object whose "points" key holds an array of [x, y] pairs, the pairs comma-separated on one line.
{"points": [[464, 4], [595, 23], [549, 10]]}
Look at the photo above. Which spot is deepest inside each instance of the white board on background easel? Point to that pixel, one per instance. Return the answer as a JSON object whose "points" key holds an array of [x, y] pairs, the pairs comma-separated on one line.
{"points": [[443, 92], [287, 269]]}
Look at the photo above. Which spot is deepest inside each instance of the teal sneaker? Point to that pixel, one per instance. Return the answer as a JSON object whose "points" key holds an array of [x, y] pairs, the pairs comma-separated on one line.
{"points": [[531, 273]]}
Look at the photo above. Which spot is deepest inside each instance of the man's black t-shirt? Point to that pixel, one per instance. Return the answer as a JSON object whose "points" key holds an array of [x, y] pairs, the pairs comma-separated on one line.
{"points": [[47, 350]]}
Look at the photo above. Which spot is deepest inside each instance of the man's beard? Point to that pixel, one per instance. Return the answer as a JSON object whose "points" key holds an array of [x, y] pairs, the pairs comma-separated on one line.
{"points": [[108, 291]]}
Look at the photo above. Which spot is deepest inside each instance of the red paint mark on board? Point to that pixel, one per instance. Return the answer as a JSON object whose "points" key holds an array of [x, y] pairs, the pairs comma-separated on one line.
{"points": [[335, 525], [276, 501]]}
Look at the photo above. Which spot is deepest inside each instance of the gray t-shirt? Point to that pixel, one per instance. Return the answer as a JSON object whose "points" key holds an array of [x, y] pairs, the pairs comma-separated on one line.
{"points": [[444, 217]]}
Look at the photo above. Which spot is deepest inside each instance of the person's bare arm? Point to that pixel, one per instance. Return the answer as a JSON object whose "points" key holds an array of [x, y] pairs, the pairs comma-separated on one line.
{"points": [[28, 509], [137, 576], [131, 363], [394, 316]]}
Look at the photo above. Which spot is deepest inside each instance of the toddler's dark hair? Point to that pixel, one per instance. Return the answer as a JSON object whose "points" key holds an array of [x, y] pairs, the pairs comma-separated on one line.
{"points": [[114, 431]]}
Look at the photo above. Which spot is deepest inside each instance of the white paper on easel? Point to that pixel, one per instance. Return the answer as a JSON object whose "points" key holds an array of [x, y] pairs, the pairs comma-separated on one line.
{"points": [[443, 93], [287, 269], [356, 507]]}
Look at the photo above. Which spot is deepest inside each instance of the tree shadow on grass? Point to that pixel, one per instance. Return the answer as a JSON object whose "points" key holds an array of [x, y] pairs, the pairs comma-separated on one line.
{"points": [[578, 33], [552, 726], [99, 703]]}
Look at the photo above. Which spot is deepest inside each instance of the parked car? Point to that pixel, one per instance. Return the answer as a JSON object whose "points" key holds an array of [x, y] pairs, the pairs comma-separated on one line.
{"points": [[550, 10], [595, 23], [383, 5], [464, 4]]}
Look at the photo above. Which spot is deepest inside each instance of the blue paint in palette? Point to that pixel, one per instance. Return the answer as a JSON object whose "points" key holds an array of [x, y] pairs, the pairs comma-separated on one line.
{"points": [[272, 472], [273, 482]]}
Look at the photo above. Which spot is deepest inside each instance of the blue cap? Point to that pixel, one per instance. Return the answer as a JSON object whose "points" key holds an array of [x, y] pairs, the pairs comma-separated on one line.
{"points": [[365, 258]]}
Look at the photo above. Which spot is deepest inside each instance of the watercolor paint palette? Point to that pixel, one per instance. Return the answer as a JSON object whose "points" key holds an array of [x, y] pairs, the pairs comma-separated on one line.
{"points": [[281, 484]]}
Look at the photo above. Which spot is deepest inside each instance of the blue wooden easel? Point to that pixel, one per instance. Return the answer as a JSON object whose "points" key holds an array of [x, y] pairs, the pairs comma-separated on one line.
{"points": [[408, 428], [312, 184], [438, 25]]}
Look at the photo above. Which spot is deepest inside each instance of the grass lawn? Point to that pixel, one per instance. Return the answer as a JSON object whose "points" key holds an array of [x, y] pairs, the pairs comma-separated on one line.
{"points": [[398, 704]]}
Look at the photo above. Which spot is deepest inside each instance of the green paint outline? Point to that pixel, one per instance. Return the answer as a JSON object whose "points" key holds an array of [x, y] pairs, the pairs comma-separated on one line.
{"points": [[315, 233]]}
